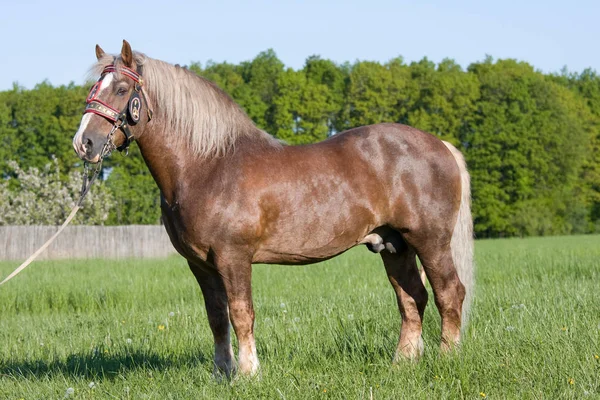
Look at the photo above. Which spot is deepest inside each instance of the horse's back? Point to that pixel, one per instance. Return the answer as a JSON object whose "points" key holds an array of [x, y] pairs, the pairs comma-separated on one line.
{"points": [[415, 172]]}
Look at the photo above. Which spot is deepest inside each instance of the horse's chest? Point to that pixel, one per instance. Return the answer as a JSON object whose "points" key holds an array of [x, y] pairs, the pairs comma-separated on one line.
{"points": [[183, 237]]}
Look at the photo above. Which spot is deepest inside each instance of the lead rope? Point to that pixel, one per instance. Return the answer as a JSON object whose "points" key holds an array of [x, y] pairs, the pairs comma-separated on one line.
{"points": [[85, 188]]}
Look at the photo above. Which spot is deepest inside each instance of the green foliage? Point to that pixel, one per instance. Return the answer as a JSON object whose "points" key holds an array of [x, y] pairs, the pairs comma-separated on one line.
{"points": [[371, 97], [587, 85], [532, 140], [137, 198], [302, 109], [525, 147], [41, 197], [322, 331], [40, 123], [443, 99], [335, 78], [261, 76]]}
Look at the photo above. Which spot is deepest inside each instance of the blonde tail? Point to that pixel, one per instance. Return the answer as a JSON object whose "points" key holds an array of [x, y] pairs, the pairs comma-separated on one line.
{"points": [[462, 239]]}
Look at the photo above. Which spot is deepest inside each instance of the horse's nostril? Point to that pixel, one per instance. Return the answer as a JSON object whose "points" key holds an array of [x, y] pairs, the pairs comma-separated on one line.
{"points": [[88, 145]]}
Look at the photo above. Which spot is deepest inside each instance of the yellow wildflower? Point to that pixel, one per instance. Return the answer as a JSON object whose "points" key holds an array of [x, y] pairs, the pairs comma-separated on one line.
{"points": [[596, 356], [161, 327], [483, 395], [571, 381]]}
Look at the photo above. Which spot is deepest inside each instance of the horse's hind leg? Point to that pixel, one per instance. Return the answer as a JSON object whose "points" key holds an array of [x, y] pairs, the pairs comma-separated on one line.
{"points": [[215, 301], [401, 267], [449, 292]]}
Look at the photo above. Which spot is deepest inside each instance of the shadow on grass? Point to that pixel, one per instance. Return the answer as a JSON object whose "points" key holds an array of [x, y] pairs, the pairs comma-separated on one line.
{"points": [[103, 366]]}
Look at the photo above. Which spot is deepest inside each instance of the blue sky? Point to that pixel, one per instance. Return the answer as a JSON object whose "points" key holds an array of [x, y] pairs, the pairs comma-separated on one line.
{"points": [[55, 40]]}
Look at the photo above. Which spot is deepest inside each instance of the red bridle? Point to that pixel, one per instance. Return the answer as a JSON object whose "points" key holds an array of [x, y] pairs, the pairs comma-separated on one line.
{"points": [[130, 115]]}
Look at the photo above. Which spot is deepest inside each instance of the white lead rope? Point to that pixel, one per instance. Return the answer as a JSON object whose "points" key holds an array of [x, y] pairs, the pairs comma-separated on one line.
{"points": [[41, 249], [87, 184]]}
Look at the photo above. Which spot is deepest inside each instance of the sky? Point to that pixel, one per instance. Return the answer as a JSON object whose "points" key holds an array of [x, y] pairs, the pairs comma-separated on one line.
{"points": [[54, 40]]}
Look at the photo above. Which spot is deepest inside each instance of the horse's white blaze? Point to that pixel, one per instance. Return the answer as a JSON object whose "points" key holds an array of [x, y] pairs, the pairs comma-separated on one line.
{"points": [[78, 138]]}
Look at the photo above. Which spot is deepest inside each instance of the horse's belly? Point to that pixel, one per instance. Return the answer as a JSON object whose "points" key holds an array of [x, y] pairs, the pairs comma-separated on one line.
{"points": [[316, 226], [309, 243], [298, 256]]}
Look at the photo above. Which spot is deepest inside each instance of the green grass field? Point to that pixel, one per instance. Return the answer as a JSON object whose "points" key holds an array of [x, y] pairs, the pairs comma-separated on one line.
{"points": [[137, 329]]}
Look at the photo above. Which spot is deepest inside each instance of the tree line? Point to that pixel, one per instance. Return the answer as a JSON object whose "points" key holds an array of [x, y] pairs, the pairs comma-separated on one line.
{"points": [[531, 139]]}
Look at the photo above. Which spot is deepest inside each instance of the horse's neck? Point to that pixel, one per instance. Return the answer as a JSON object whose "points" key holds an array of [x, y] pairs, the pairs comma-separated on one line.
{"points": [[170, 162], [173, 164]]}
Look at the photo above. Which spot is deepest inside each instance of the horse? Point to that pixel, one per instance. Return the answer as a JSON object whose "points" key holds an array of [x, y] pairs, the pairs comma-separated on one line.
{"points": [[232, 195]]}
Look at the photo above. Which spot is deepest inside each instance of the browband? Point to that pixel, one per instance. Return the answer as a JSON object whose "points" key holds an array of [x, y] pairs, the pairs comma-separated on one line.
{"points": [[132, 110]]}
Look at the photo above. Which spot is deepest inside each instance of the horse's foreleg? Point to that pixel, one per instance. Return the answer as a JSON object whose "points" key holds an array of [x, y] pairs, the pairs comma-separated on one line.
{"points": [[404, 276], [215, 300], [237, 277]]}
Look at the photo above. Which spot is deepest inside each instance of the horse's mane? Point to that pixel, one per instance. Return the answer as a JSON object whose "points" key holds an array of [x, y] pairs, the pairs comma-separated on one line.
{"points": [[192, 108]]}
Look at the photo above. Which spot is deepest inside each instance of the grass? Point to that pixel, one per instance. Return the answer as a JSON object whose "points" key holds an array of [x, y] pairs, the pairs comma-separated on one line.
{"points": [[138, 329]]}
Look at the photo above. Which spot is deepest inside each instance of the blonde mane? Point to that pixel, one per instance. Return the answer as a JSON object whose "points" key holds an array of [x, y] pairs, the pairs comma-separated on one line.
{"points": [[193, 109]]}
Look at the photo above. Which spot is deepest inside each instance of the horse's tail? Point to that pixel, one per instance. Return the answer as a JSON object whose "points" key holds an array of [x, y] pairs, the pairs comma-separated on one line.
{"points": [[462, 238]]}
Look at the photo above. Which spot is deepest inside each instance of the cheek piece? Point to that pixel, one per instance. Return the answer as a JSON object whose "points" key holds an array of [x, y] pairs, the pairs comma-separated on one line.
{"points": [[130, 115]]}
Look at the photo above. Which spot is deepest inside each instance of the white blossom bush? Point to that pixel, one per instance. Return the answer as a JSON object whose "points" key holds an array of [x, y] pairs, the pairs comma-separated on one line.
{"points": [[41, 197]]}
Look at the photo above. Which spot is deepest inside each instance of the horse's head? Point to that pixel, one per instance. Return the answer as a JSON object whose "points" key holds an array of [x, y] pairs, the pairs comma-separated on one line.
{"points": [[114, 105]]}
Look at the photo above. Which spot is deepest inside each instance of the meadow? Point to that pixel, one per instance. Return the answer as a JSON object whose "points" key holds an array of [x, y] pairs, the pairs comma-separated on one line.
{"points": [[137, 329]]}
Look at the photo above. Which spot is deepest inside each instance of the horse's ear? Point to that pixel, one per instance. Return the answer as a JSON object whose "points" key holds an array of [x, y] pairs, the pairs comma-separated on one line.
{"points": [[127, 54], [99, 52]]}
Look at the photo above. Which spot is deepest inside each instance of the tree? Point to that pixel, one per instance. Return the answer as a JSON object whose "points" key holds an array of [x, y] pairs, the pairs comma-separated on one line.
{"points": [[302, 109], [524, 149], [370, 96], [261, 76], [335, 78], [443, 99], [42, 197], [8, 137], [587, 86], [136, 195], [42, 124]]}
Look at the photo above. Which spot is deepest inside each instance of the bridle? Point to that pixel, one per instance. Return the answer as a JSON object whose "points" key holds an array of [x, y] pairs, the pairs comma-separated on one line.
{"points": [[130, 115]]}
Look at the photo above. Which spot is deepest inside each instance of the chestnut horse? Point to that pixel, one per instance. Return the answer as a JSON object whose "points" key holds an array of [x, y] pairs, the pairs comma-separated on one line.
{"points": [[232, 195]]}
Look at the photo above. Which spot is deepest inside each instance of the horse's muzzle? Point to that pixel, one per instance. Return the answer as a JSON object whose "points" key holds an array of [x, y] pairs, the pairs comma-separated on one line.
{"points": [[87, 149]]}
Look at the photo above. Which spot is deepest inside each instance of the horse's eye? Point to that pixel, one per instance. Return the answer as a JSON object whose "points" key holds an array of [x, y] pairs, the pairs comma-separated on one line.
{"points": [[121, 91]]}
